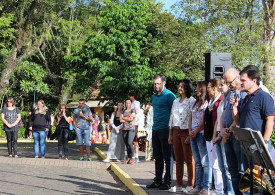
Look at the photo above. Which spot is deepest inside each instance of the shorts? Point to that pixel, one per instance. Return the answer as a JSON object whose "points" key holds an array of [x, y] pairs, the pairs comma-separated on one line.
{"points": [[83, 135]]}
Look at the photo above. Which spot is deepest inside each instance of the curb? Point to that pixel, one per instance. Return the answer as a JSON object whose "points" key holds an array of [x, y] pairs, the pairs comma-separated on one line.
{"points": [[124, 177]]}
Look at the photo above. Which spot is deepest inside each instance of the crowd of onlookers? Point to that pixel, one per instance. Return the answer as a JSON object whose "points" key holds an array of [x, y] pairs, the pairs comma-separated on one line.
{"points": [[196, 128]]}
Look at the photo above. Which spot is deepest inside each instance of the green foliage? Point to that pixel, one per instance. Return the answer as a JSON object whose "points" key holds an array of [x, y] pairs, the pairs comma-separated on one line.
{"points": [[33, 77], [6, 32], [119, 55], [230, 26]]}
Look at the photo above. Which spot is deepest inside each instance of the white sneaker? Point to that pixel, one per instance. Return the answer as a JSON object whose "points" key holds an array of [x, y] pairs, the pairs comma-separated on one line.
{"points": [[194, 191], [106, 160], [204, 192], [187, 189], [175, 189]]}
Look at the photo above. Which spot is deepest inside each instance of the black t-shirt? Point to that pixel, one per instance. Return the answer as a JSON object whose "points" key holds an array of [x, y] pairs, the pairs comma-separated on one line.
{"points": [[116, 120], [63, 122]]}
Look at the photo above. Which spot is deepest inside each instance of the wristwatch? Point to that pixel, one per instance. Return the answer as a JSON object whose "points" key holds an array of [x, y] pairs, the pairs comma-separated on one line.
{"points": [[266, 141]]}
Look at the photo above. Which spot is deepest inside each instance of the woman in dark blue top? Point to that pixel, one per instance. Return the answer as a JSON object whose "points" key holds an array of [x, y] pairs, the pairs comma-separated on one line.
{"points": [[40, 124]]}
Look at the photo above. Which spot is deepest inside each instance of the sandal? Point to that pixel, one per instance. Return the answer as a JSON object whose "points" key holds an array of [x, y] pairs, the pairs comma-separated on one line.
{"points": [[131, 161], [126, 161]]}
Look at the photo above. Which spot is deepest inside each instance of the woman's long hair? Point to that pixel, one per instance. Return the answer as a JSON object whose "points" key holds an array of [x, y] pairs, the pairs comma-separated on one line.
{"points": [[202, 87], [43, 110], [187, 84]]}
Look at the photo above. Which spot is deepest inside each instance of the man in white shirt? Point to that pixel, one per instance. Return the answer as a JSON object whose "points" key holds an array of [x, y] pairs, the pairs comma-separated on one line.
{"points": [[136, 107]]}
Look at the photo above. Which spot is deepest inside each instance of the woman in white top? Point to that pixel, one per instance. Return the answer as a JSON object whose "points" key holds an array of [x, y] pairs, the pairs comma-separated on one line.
{"points": [[148, 128], [179, 135], [219, 145], [198, 145], [116, 150]]}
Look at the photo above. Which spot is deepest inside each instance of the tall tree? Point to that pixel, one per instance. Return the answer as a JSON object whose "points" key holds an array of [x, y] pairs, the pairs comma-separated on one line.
{"points": [[32, 23], [117, 54], [269, 34]]}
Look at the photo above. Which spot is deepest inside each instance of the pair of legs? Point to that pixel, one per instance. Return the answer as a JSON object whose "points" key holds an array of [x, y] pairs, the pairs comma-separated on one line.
{"points": [[62, 137], [162, 153], [128, 137], [227, 181], [235, 161], [12, 137], [214, 164], [39, 142], [183, 153], [135, 142], [203, 170], [83, 139]]}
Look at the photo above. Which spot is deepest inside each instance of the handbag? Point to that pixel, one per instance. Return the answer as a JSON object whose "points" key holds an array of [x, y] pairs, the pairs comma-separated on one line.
{"points": [[71, 136], [71, 127]]}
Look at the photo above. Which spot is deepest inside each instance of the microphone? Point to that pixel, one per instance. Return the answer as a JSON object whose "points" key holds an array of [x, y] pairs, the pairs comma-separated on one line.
{"points": [[234, 94]]}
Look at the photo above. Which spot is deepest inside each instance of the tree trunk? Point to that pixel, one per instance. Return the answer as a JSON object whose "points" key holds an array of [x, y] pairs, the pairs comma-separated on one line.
{"points": [[10, 66], [269, 64], [67, 89]]}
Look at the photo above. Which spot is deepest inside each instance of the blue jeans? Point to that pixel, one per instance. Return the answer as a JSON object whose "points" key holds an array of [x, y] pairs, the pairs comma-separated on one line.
{"points": [[227, 181], [202, 168], [161, 152], [234, 158], [39, 140]]}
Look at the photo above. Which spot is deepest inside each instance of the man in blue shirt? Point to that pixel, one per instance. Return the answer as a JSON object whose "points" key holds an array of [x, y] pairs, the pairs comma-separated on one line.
{"points": [[81, 120], [162, 102], [256, 111], [235, 157]]}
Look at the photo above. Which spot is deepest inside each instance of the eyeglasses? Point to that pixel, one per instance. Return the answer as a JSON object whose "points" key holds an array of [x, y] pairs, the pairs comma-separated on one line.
{"points": [[229, 83]]}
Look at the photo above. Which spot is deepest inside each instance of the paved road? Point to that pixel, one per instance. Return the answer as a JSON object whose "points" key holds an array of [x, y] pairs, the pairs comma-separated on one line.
{"points": [[27, 175]]}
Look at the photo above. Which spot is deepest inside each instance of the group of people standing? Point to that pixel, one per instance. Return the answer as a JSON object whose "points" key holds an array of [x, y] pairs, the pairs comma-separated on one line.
{"points": [[125, 124], [200, 131]]}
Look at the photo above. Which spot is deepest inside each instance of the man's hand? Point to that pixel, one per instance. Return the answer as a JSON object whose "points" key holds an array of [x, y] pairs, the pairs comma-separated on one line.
{"points": [[46, 130], [81, 114]]}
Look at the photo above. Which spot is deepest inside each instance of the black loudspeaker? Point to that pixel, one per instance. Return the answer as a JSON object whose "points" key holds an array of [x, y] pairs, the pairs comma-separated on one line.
{"points": [[216, 64]]}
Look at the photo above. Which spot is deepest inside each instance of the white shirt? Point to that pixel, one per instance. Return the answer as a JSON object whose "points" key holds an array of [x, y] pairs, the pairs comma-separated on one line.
{"points": [[219, 114], [180, 112], [197, 115], [136, 104]]}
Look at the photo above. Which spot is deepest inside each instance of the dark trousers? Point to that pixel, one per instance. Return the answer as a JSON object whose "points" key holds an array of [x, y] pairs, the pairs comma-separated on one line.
{"points": [[161, 152], [128, 137], [62, 136], [12, 137]]}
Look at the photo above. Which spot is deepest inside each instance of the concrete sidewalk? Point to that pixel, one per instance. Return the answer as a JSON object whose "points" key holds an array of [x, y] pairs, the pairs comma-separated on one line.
{"points": [[27, 175], [142, 173]]}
